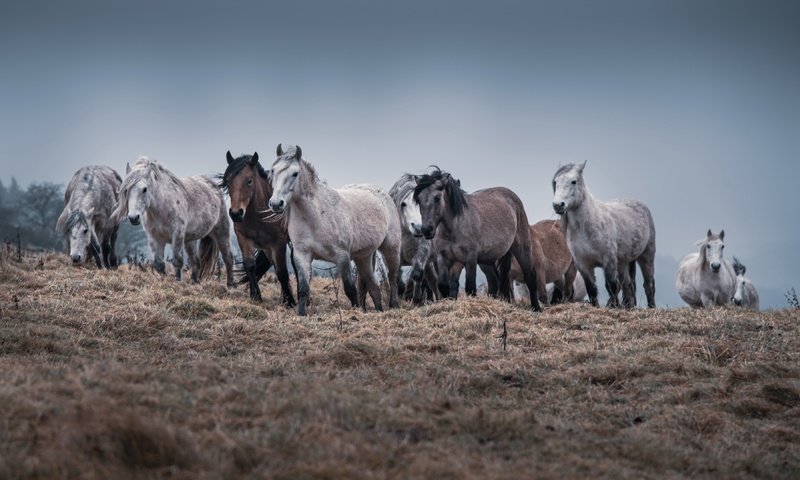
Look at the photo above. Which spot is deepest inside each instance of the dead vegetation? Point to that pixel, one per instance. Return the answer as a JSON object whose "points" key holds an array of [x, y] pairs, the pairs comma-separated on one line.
{"points": [[129, 375]]}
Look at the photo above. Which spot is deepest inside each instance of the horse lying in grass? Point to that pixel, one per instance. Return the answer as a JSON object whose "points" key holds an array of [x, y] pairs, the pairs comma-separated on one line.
{"points": [[488, 227], [613, 235], [336, 225], [706, 279], [256, 227], [178, 211], [86, 221]]}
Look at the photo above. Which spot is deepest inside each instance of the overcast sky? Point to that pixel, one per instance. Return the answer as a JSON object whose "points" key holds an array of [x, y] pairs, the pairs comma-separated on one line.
{"points": [[691, 106]]}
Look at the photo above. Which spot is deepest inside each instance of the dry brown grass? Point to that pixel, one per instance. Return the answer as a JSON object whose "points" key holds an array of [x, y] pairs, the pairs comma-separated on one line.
{"points": [[127, 375]]}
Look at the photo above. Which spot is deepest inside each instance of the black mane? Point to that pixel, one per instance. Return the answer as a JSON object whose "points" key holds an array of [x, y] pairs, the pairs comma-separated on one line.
{"points": [[456, 199], [235, 168], [76, 217]]}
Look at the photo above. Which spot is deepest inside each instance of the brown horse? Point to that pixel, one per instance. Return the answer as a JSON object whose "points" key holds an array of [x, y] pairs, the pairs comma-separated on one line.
{"points": [[551, 260], [487, 227], [256, 228]]}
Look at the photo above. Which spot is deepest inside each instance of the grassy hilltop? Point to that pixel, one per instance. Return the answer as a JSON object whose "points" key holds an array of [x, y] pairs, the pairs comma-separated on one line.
{"points": [[126, 374]]}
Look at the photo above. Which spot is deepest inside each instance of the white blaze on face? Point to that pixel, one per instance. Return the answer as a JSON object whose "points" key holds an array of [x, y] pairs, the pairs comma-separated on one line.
{"points": [[410, 214], [285, 177], [138, 200], [714, 249]]}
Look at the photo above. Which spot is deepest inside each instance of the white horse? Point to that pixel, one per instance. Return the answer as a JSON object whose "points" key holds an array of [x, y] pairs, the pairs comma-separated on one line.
{"points": [[613, 235], [86, 221], [746, 294], [179, 212], [706, 279], [416, 250], [336, 225]]}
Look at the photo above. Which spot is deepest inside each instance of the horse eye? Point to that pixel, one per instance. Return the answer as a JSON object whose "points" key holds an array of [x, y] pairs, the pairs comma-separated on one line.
{"points": [[437, 198], [574, 182], [144, 190], [708, 247], [403, 205], [722, 247], [85, 230], [249, 181], [295, 174]]}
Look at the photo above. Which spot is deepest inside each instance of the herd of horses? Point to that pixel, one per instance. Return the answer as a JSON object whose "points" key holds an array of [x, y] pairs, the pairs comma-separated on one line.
{"points": [[425, 222]]}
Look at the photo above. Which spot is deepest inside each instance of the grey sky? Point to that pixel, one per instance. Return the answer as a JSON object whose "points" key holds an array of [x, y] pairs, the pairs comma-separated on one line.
{"points": [[691, 106]]}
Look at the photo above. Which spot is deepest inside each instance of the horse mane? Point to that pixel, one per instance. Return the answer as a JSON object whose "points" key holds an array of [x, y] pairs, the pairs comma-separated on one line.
{"points": [[143, 167], [76, 217], [400, 190], [564, 169], [235, 168], [738, 267], [456, 198]]}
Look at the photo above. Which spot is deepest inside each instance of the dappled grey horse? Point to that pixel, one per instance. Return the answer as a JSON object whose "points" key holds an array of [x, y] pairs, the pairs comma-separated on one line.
{"points": [[706, 278], [416, 251], [336, 225], [178, 211], [614, 236], [745, 294], [86, 221]]}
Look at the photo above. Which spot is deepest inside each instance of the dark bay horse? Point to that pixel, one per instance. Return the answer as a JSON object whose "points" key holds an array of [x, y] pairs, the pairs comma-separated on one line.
{"points": [[257, 228], [487, 227]]}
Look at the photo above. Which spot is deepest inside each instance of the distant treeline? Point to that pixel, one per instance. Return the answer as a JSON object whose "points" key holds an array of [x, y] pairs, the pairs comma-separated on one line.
{"points": [[33, 212]]}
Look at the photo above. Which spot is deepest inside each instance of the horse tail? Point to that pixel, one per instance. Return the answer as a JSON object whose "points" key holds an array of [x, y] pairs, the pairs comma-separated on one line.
{"points": [[209, 253]]}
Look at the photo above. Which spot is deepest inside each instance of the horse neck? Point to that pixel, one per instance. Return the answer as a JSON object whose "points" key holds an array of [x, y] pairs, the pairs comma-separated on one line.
{"points": [[585, 212], [312, 194], [450, 222], [261, 193]]}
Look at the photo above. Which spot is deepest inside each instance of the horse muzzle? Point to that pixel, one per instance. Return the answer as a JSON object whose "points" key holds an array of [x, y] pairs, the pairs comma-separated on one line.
{"points": [[415, 230], [277, 206], [236, 216], [76, 258], [428, 232], [135, 219], [736, 302], [715, 267], [559, 207]]}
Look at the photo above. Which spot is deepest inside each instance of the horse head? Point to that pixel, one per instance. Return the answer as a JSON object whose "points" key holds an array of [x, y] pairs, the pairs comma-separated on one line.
{"points": [[241, 179], [712, 250], [568, 189], [286, 176], [439, 197]]}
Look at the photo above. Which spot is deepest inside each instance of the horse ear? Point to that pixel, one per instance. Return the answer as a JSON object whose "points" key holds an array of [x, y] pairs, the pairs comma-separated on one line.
{"points": [[61, 223], [127, 168], [279, 150], [722, 234], [254, 159], [90, 212], [709, 234], [583, 165], [298, 152], [229, 157]]}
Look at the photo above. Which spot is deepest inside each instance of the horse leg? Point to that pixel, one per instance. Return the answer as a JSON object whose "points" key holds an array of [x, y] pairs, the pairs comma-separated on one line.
{"points": [[302, 268], [96, 250], [629, 287], [194, 260], [569, 282], [346, 274], [106, 250], [470, 285], [492, 279], [590, 281], [248, 250], [647, 264], [366, 271], [112, 254], [611, 273], [455, 279], [558, 292], [391, 258], [432, 280], [282, 272], [505, 287], [522, 252], [157, 248], [224, 247]]}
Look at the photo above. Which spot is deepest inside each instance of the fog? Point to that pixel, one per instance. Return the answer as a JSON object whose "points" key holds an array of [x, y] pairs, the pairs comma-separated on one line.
{"points": [[692, 107]]}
